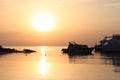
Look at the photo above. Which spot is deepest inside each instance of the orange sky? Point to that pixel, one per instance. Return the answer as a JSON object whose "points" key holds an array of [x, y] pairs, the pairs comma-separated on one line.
{"points": [[83, 21]]}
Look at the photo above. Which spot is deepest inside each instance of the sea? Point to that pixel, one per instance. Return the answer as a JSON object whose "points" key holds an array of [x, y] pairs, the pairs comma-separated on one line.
{"points": [[49, 63]]}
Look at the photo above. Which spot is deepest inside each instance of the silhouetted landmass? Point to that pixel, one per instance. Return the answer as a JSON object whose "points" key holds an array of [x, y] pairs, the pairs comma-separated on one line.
{"points": [[4, 51]]}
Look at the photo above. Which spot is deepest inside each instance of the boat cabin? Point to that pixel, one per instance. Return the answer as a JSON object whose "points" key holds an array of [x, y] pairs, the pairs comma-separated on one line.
{"points": [[75, 46]]}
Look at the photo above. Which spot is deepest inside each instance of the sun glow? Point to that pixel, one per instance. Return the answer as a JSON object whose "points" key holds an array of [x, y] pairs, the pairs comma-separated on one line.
{"points": [[43, 21]]}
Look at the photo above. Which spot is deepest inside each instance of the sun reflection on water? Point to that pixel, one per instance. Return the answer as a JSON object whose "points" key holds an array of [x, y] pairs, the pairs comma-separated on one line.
{"points": [[43, 64]]}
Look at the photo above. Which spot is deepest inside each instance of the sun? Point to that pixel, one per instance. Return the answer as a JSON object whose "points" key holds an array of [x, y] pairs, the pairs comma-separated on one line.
{"points": [[43, 21]]}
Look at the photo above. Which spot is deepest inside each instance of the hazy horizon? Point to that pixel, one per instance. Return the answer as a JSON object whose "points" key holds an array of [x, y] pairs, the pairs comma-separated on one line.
{"points": [[81, 21]]}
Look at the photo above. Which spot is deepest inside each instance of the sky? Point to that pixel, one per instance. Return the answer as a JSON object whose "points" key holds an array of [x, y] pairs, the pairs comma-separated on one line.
{"points": [[81, 21]]}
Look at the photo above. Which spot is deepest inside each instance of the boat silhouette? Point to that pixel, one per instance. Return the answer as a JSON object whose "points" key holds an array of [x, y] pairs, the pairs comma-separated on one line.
{"points": [[109, 44], [77, 49]]}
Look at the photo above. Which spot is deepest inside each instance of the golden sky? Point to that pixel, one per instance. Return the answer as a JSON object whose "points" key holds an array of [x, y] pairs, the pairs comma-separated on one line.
{"points": [[83, 21]]}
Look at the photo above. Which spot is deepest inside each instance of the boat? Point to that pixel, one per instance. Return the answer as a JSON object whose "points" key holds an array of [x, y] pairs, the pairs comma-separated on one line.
{"points": [[109, 44], [74, 48]]}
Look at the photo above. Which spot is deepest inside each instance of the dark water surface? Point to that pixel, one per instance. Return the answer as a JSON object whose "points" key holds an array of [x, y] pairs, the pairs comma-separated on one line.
{"points": [[48, 63]]}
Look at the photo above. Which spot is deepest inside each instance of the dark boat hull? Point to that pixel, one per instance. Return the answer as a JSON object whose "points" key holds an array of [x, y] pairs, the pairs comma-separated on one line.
{"points": [[84, 51]]}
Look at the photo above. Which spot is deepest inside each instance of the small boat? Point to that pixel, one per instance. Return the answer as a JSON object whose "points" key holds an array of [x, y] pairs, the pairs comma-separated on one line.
{"points": [[74, 48]]}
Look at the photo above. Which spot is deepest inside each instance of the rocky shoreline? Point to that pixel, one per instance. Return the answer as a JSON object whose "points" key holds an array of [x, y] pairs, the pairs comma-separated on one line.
{"points": [[9, 50]]}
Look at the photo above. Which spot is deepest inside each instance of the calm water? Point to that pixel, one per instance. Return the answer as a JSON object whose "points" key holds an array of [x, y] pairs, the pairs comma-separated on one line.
{"points": [[48, 63]]}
